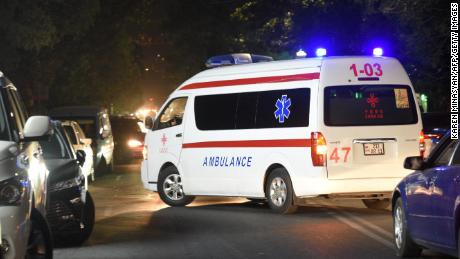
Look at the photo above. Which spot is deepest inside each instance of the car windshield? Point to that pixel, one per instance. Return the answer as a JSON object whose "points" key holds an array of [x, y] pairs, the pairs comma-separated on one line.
{"points": [[88, 125], [55, 147], [369, 105]]}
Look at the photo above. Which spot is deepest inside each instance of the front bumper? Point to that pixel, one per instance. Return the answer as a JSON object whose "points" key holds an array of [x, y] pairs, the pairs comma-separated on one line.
{"points": [[14, 231], [64, 211]]}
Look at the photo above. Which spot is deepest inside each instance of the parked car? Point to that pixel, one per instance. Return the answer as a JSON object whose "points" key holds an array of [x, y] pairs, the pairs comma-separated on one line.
{"points": [[435, 126], [24, 231], [426, 203], [80, 142], [70, 211], [128, 137], [95, 123]]}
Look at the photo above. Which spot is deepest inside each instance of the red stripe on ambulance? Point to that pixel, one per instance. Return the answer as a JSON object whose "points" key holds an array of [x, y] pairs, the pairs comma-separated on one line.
{"points": [[250, 81], [250, 143]]}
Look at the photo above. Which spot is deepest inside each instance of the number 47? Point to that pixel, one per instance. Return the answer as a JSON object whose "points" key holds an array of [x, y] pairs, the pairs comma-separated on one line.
{"points": [[335, 154]]}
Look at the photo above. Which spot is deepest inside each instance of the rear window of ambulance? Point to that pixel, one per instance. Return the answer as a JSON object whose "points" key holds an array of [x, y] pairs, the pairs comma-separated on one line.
{"points": [[369, 105]]}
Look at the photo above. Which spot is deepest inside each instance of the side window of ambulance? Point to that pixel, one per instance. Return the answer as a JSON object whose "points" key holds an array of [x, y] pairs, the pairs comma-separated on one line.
{"points": [[173, 114], [215, 112], [283, 108]]}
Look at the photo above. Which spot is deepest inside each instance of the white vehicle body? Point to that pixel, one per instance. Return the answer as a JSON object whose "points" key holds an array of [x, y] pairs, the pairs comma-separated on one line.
{"points": [[245, 156], [80, 142]]}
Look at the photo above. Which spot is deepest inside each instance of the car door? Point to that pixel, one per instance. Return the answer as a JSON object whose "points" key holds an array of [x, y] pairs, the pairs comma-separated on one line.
{"points": [[445, 196], [165, 139], [421, 194]]}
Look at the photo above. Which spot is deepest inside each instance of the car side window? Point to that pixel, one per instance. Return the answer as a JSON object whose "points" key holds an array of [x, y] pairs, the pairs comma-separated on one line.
{"points": [[16, 115], [456, 157], [173, 114], [446, 155], [71, 134]]}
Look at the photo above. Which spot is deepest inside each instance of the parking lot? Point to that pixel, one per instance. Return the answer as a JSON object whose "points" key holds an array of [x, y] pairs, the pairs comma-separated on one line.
{"points": [[134, 223]]}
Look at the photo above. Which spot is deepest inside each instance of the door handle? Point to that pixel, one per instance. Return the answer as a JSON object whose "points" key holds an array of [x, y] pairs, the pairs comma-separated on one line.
{"points": [[179, 135]]}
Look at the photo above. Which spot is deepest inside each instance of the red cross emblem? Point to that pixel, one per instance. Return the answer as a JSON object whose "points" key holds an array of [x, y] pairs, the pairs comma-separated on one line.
{"points": [[164, 139], [372, 100]]}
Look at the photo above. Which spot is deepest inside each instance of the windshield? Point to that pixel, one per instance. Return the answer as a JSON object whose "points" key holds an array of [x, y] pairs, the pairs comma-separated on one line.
{"points": [[369, 105], [88, 125]]}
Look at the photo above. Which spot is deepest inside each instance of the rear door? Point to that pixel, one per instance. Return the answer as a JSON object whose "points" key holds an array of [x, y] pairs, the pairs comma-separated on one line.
{"points": [[370, 118]]}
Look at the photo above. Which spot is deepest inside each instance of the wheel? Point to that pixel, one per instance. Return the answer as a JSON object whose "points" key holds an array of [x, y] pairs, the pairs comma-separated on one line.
{"points": [[170, 188], [279, 192], [87, 219], [405, 247], [376, 204], [40, 244]]}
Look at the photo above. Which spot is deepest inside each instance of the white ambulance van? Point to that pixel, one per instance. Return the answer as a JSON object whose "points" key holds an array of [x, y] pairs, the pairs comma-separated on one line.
{"points": [[337, 127]]}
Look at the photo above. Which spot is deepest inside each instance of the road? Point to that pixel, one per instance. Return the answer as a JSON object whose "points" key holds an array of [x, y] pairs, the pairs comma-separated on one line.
{"points": [[134, 223]]}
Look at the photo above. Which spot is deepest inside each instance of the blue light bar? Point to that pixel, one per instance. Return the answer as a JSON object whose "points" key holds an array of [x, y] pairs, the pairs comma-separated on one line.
{"points": [[301, 53], [321, 52], [378, 52]]}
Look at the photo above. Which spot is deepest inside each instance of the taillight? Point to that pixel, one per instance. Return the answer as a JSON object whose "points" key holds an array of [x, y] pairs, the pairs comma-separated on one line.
{"points": [[421, 141], [145, 152], [318, 149]]}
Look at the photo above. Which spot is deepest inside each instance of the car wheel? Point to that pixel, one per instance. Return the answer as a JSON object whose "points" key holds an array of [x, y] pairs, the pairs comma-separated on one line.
{"points": [[405, 247], [40, 244], [376, 204], [279, 192], [170, 188]]}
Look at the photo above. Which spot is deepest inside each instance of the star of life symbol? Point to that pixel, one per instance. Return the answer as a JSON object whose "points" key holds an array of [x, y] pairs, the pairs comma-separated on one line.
{"points": [[282, 108], [372, 100], [164, 139]]}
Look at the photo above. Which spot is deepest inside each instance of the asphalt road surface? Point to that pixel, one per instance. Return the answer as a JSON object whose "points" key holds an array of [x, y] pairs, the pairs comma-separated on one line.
{"points": [[133, 223]]}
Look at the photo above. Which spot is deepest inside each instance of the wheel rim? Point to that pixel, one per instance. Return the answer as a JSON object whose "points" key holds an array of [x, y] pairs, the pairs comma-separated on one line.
{"points": [[278, 191], [398, 226], [36, 248], [172, 187]]}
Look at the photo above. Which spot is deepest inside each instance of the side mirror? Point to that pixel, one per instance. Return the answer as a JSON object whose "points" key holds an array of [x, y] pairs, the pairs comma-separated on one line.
{"points": [[414, 163], [86, 141], [81, 157], [148, 122], [37, 128]]}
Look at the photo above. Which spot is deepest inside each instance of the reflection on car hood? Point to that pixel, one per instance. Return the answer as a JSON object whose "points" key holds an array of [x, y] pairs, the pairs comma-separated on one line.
{"points": [[61, 170]]}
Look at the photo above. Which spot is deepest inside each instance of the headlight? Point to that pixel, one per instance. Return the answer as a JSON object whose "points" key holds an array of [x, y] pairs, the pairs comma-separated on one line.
{"points": [[134, 143], [74, 182], [12, 190]]}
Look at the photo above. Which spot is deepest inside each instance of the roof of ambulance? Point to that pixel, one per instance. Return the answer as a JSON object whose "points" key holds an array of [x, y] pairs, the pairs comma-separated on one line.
{"points": [[292, 64]]}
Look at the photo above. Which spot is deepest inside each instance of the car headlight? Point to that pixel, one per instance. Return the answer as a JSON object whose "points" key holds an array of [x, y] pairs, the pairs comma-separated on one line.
{"points": [[12, 190], [74, 182], [132, 143]]}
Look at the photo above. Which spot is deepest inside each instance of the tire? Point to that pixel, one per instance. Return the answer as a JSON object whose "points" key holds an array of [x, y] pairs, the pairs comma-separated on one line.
{"points": [[279, 192], [170, 188], [87, 218], [405, 247], [40, 243], [377, 204]]}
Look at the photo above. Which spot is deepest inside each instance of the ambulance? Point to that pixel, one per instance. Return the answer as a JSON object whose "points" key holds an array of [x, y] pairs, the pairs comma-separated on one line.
{"points": [[284, 131]]}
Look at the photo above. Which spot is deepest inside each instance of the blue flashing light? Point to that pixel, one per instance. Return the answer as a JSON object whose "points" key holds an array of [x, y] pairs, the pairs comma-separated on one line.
{"points": [[321, 52], [378, 52], [301, 53]]}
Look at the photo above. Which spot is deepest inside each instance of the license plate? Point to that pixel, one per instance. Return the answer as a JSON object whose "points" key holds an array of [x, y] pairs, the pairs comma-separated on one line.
{"points": [[374, 149]]}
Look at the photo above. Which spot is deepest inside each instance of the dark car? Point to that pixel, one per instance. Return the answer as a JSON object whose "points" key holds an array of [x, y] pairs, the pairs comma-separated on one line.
{"points": [[435, 125], [128, 138], [426, 203], [70, 208], [95, 123]]}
